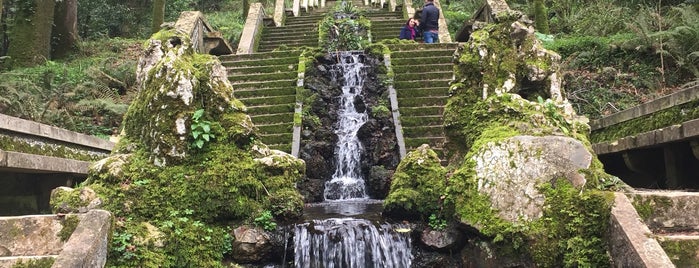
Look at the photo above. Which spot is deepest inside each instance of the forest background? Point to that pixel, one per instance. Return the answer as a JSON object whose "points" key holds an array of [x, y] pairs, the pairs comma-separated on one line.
{"points": [[71, 63]]}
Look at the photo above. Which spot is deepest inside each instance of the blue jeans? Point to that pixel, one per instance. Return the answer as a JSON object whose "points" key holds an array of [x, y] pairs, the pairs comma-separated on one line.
{"points": [[430, 37]]}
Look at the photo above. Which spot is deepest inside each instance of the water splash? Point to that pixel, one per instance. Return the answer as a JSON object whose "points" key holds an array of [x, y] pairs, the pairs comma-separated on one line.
{"points": [[347, 181], [351, 243]]}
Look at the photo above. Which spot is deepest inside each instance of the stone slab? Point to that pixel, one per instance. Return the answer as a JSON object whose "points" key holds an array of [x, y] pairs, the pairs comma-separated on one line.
{"points": [[14, 161], [669, 210], [87, 247]]}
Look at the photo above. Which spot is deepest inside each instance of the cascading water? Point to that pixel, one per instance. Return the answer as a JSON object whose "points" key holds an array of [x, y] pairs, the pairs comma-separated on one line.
{"points": [[348, 242], [351, 243], [347, 182]]}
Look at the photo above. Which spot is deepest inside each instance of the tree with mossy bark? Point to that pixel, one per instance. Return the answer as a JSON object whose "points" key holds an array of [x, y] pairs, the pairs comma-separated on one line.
{"points": [[30, 38], [541, 19], [158, 15], [65, 30]]}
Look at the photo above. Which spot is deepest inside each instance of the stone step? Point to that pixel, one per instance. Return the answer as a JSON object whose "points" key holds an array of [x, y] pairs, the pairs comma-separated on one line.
{"points": [[289, 31], [264, 92], [276, 138], [425, 120], [421, 83], [257, 56], [424, 110], [282, 100], [423, 131], [291, 67], [424, 92], [434, 142], [423, 67], [301, 36], [683, 249], [412, 47], [284, 147], [431, 75], [412, 60], [267, 119], [409, 101], [422, 53], [263, 84], [262, 76], [283, 127], [269, 46], [232, 63], [271, 109]]}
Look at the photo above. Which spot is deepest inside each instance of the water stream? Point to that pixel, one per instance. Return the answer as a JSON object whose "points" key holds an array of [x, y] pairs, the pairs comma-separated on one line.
{"points": [[333, 240], [347, 181]]}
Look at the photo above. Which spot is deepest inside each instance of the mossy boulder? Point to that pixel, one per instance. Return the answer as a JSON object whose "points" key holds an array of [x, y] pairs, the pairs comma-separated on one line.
{"points": [[175, 194], [418, 186], [527, 178]]}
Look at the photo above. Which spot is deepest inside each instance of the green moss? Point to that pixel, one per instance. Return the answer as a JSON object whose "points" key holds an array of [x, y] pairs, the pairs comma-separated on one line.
{"points": [[646, 206], [380, 111], [664, 118], [67, 201], [34, 263], [683, 253], [417, 187], [69, 224]]}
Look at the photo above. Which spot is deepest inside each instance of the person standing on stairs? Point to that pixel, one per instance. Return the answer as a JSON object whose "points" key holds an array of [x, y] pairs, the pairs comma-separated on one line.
{"points": [[410, 30], [430, 22]]}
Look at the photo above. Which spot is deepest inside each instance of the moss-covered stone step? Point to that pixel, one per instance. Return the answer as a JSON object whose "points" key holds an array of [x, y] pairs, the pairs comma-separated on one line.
{"points": [[422, 53], [424, 92], [288, 31], [408, 101], [435, 142], [284, 147], [411, 47], [423, 131], [414, 60], [283, 127], [241, 85], [288, 36], [269, 100], [422, 68], [426, 120], [391, 25], [257, 56], [262, 76], [271, 109], [441, 75], [260, 62], [683, 250], [274, 45], [264, 92], [291, 67], [426, 82], [279, 138], [417, 111], [303, 19], [273, 118]]}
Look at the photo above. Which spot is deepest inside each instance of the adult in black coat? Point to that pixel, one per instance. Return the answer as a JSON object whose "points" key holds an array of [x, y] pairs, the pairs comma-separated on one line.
{"points": [[430, 22]]}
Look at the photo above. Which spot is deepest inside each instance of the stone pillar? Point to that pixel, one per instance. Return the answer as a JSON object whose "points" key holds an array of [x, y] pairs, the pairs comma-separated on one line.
{"points": [[253, 28]]}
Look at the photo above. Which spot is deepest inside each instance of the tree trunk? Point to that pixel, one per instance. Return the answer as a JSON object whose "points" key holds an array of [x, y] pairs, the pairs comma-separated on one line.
{"points": [[0, 10], [158, 15], [541, 18], [30, 38], [65, 29]]}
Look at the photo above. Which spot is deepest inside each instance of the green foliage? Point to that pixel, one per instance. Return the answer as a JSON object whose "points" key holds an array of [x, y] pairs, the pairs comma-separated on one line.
{"points": [[201, 129], [266, 221], [541, 18], [34, 263], [436, 222], [69, 224], [230, 23], [380, 111], [345, 29]]}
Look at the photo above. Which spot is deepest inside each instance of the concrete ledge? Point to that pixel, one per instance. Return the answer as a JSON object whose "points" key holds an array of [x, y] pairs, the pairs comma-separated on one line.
{"points": [[87, 247], [686, 130], [32, 163], [665, 102], [18, 125], [669, 210], [632, 243]]}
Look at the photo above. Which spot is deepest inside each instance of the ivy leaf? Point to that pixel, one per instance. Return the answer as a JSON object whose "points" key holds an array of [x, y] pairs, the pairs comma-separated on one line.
{"points": [[196, 133], [199, 143], [197, 114], [205, 136], [206, 127]]}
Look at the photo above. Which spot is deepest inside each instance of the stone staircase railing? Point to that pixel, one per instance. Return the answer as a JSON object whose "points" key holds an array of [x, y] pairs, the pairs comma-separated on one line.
{"points": [[204, 39]]}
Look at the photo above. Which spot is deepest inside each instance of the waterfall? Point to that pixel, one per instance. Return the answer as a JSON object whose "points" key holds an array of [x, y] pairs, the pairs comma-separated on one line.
{"points": [[347, 181], [351, 243]]}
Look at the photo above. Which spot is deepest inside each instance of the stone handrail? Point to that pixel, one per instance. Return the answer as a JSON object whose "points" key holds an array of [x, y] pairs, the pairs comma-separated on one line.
{"points": [[665, 102], [296, 8], [87, 246], [408, 9], [393, 98], [252, 29], [30, 128], [204, 39]]}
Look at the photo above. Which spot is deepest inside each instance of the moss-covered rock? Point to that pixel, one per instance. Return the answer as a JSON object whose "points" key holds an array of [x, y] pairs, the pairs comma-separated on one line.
{"points": [[188, 164], [418, 186]]}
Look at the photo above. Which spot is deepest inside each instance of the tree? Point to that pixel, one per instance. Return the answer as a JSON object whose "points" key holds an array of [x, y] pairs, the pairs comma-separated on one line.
{"points": [[65, 30], [30, 38], [158, 15], [0, 10], [541, 20]]}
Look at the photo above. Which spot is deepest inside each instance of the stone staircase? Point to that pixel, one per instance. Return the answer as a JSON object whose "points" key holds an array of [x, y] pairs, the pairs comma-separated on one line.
{"points": [[266, 84], [297, 32], [385, 24], [423, 73]]}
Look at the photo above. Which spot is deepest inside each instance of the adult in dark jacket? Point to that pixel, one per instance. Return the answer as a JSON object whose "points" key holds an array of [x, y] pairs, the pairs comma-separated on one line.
{"points": [[430, 22], [410, 30]]}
